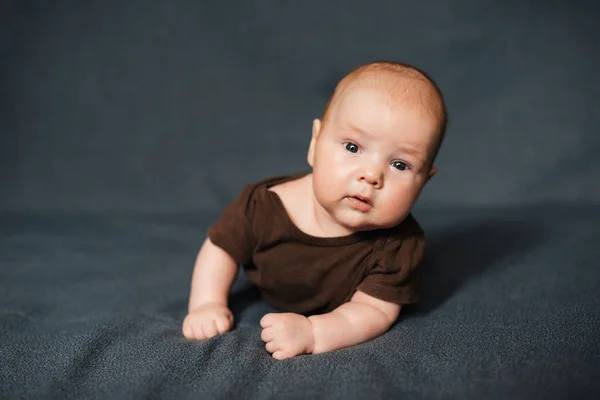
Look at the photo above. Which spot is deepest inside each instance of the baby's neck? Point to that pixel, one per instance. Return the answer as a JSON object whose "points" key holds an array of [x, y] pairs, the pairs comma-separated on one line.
{"points": [[305, 211]]}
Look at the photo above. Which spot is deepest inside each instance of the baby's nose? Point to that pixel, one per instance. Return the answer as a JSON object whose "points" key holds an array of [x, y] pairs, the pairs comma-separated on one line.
{"points": [[372, 176]]}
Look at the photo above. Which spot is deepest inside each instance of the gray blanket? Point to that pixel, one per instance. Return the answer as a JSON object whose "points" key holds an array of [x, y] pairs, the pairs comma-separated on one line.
{"points": [[92, 307], [125, 127]]}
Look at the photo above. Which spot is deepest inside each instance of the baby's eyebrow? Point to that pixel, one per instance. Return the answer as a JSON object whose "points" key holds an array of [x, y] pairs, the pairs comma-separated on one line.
{"points": [[412, 151], [357, 129], [401, 148]]}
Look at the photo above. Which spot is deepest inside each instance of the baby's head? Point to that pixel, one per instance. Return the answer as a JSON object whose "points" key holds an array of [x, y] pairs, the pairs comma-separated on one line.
{"points": [[374, 149]]}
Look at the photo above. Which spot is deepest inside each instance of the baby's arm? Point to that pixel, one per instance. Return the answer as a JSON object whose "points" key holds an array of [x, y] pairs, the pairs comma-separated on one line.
{"points": [[214, 273], [363, 318]]}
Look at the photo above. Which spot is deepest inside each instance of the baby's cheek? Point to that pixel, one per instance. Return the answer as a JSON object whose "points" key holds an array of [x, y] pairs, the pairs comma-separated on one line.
{"points": [[395, 207], [325, 189]]}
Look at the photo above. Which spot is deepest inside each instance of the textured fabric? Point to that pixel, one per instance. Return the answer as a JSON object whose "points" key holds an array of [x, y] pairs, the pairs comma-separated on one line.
{"points": [[301, 273], [91, 306]]}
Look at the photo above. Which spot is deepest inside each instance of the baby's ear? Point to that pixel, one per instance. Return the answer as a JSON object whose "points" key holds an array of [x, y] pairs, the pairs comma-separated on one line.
{"points": [[432, 172], [316, 128], [311, 148]]}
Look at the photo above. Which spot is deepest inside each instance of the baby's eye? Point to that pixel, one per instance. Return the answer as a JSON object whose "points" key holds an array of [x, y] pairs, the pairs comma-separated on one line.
{"points": [[351, 147], [399, 165]]}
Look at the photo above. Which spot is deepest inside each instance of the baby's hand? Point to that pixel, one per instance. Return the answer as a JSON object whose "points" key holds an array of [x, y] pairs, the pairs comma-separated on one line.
{"points": [[287, 335], [206, 321]]}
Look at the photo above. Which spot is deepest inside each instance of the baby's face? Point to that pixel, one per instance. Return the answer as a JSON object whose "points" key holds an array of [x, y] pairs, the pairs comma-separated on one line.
{"points": [[371, 159]]}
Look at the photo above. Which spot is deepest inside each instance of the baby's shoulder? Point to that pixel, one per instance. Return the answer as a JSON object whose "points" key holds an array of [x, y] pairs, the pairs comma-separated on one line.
{"points": [[409, 227], [266, 198], [253, 190], [402, 245], [289, 189], [274, 183]]}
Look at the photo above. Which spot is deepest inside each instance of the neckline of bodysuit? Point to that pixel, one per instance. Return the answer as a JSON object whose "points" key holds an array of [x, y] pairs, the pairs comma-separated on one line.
{"points": [[304, 236]]}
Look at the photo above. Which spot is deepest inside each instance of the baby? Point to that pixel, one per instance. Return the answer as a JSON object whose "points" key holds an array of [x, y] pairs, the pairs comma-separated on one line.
{"points": [[336, 249]]}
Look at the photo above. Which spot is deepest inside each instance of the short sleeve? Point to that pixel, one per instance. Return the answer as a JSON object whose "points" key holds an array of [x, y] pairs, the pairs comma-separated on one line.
{"points": [[233, 230], [395, 274]]}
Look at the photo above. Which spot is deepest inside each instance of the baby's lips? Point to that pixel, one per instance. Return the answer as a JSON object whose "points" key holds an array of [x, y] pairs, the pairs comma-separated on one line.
{"points": [[359, 204]]}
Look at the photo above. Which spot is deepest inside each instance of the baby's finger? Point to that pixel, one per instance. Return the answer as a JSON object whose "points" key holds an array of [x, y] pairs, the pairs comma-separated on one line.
{"points": [[271, 346], [279, 355], [196, 333], [223, 325], [266, 320], [266, 335], [199, 333], [188, 330], [216, 328], [185, 329], [209, 329]]}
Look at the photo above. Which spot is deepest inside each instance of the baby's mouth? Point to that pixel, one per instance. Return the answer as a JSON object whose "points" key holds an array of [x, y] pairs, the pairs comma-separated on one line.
{"points": [[364, 199], [360, 203]]}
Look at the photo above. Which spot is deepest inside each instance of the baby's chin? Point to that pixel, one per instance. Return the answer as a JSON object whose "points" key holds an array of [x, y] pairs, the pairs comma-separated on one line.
{"points": [[356, 222]]}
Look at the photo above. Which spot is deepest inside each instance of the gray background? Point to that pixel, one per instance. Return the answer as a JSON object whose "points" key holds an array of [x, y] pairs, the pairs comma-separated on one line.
{"points": [[127, 126], [140, 106]]}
